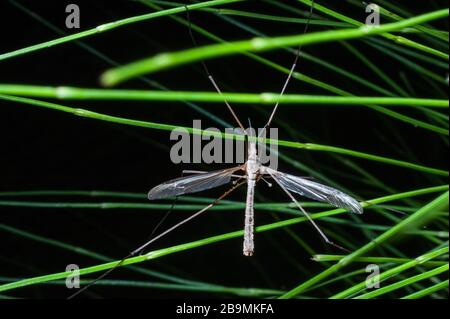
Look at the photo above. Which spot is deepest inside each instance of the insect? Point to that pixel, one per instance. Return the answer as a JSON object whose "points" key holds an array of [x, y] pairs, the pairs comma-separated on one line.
{"points": [[253, 171]]}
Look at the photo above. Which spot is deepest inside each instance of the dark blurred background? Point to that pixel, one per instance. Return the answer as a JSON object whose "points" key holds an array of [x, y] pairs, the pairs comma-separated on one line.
{"points": [[48, 150]]}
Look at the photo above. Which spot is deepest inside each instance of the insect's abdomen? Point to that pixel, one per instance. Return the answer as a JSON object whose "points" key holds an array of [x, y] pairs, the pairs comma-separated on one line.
{"points": [[249, 245]]}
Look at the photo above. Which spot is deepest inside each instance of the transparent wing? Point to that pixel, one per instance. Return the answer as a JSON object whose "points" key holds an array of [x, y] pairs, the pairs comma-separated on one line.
{"points": [[192, 184], [316, 191]]}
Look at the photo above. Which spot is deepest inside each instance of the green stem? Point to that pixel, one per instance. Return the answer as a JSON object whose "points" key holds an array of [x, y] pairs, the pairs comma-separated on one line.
{"points": [[403, 283], [428, 291], [73, 93], [169, 60], [167, 127], [392, 37], [377, 260], [112, 25], [199, 243], [237, 291], [326, 86], [85, 252], [419, 216], [391, 272]]}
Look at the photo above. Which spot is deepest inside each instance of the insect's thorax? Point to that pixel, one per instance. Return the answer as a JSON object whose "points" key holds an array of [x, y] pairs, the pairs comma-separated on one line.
{"points": [[253, 164]]}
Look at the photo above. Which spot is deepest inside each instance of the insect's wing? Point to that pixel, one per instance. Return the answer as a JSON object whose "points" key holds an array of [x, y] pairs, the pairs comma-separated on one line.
{"points": [[316, 191], [192, 184]]}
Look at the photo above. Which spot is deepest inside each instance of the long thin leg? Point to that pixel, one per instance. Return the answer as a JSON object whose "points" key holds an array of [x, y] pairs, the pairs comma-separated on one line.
{"points": [[160, 222], [291, 72], [226, 102], [188, 219], [134, 252], [210, 77], [328, 241]]}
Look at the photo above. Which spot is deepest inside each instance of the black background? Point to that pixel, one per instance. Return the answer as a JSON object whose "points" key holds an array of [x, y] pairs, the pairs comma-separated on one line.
{"points": [[44, 149]]}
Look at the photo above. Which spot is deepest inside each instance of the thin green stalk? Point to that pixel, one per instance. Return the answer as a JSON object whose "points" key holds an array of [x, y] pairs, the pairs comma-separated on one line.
{"points": [[440, 78], [199, 243], [307, 79], [93, 193], [419, 216], [395, 17], [428, 291], [254, 15], [141, 196], [85, 252], [103, 57], [391, 272], [339, 278], [153, 83], [312, 59], [397, 39], [263, 98], [237, 291], [268, 17], [112, 25], [149, 206], [437, 236], [166, 127], [169, 60], [376, 260], [403, 283], [406, 52], [375, 69], [303, 78], [73, 93]]}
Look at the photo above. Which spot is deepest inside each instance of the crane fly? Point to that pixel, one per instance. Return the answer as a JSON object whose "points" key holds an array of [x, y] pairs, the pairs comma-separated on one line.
{"points": [[253, 171]]}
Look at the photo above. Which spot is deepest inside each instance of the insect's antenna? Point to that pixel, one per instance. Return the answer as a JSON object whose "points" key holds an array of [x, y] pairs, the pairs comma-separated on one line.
{"points": [[308, 216], [208, 74], [291, 71]]}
